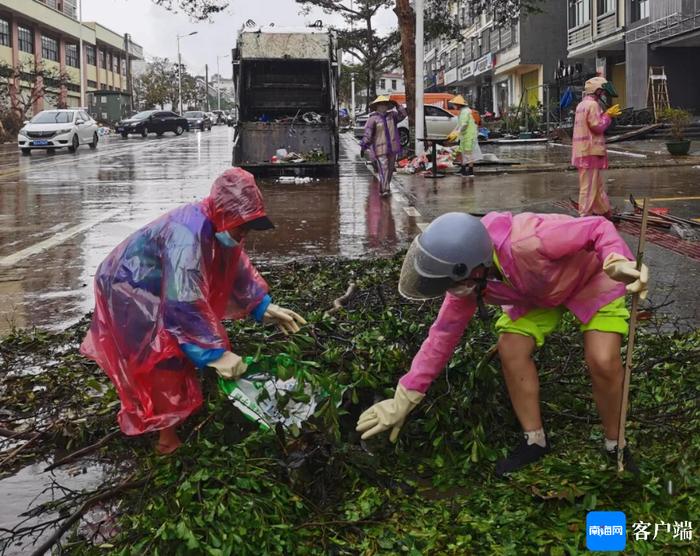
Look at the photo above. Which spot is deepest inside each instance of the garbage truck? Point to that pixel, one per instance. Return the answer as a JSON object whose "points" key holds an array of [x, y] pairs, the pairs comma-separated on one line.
{"points": [[286, 87]]}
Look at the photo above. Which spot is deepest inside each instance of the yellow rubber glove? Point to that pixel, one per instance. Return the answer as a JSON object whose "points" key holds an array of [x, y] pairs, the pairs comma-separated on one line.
{"points": [[452, 137], [389, 414], [229, 366], [614, 111], [621, 269], [284, 319]]}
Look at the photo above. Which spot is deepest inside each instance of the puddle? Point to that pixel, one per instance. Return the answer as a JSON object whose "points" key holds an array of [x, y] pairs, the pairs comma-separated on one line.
{"points": [[30, 487]]}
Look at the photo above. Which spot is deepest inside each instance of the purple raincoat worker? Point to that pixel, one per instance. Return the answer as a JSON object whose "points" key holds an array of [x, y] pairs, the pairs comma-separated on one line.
{"points": [[382, 139], [536, 267], [160, 297]]}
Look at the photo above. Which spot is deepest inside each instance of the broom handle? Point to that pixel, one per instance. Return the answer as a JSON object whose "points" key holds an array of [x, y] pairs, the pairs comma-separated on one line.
{"points": [[630, 343]]}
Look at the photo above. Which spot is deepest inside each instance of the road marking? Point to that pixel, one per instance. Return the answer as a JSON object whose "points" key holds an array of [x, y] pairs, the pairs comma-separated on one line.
{"points": [[411, 211], [626, 153], [675, 199], [56, 239]]}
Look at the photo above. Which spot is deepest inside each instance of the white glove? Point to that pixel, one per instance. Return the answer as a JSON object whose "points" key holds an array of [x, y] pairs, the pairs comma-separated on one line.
{"points": [[389, 414], [621, 269], [285, 319], [229, 366]]}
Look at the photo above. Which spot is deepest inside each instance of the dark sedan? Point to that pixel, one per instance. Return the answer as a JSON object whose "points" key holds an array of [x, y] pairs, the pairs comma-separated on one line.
{"points": [[198, 120], [153, 121]]}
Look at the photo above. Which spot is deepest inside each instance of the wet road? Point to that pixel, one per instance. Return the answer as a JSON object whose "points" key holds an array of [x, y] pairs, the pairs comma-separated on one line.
{"points": [[60, 215]]}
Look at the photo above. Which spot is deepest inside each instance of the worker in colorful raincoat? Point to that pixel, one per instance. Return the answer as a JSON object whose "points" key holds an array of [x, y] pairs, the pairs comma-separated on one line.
{"points": [[160, 297], [466, 133], [536, 267], [382, 139], [588, 152]]}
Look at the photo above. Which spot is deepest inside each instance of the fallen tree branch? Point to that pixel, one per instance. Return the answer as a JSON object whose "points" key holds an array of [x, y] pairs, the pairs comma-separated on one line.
{"points": [[83, 451], [85, 506], [21, 448], [341, 301], [9, 433]]}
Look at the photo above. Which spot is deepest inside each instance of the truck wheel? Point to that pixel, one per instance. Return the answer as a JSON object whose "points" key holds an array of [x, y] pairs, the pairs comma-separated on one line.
{"points": [[404, 137]]}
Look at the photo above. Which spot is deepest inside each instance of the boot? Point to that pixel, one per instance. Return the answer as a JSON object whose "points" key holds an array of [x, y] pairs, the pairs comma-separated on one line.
{"points": [[463, 171], [470, 172], [524, 454]]}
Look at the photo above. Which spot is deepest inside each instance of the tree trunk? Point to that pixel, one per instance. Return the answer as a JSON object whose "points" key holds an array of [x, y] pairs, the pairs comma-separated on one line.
{"points": [[407, 29]]}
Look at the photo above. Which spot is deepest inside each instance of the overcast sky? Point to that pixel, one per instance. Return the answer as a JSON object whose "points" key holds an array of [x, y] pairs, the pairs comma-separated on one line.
{"points": [[155, 28]]}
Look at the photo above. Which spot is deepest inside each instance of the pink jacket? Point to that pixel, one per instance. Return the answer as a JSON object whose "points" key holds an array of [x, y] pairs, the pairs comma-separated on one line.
{"points": [[549, 260], [588, 145]]}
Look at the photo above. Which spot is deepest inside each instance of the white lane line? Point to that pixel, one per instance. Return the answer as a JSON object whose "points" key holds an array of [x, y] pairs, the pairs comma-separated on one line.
{"points": [[626, 153], [56, 239], [411, 211]]}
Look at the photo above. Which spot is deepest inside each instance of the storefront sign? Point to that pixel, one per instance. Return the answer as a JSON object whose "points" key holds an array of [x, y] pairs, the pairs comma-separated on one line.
{"points": [[466, 71], [450, 76], [485, 63]]}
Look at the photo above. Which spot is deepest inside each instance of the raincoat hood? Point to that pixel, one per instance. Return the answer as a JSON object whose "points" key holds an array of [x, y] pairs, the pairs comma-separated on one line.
{"points": [[234, 200]]}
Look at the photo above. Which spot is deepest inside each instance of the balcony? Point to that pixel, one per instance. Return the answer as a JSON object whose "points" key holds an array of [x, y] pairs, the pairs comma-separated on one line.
{"points": [[665, 27], [606, 25], [581, 35]]}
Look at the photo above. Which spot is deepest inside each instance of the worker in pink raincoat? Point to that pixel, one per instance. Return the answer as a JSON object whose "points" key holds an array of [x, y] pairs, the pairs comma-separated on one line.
{"points": [[588, 152], [536, 267], [160, 297], [382, 139]]}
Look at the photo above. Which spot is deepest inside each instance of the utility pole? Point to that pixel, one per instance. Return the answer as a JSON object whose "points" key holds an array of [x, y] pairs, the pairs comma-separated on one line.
{"points": [[179, 70], [206, 84], [129, 79], [420, 81], [218, 80], [80, 54], [352, 98]]}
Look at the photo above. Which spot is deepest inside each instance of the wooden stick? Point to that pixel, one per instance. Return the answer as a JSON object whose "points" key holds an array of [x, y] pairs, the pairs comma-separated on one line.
{"points": [[630, 344], [83, 451], [340, 302]]}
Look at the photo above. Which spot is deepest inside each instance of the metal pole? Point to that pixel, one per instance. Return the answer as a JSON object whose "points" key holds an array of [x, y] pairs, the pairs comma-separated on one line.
{"points": [[218, 85], [80, 55], [352, 98], [179, 76], [420, 82], [206, 84]]}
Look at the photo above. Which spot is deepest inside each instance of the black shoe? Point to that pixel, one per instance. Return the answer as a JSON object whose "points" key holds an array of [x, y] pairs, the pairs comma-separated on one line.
{"points": [[463, 171], [523, 455], [627, 460], [470, 172]]}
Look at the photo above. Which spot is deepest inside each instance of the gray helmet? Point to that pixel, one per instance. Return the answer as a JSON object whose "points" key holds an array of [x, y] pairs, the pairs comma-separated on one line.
{"points": [[445, 253]]}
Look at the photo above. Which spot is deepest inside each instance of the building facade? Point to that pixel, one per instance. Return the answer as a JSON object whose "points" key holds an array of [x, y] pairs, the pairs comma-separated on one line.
{"points": [[47, 32], [390, 83], [497, 67], [664, 33]]}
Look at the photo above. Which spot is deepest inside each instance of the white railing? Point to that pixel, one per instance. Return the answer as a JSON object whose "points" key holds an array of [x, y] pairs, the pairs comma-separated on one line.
{"points": [[686, 19]]}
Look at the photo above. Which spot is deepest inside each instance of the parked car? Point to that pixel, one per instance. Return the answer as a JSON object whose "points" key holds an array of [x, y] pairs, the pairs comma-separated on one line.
{"points": [[56, 129], [153, 121], [219, 117], [439, 124], [198, 120]]}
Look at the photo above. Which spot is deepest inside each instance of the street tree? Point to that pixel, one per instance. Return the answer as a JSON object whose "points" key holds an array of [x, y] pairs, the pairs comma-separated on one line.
{"points": [[439, 24], [375, 53], [22, 85], [197, 9]]}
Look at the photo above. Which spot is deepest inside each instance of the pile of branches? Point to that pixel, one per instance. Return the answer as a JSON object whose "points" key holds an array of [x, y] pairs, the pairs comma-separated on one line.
{"points": [[317, 489]]}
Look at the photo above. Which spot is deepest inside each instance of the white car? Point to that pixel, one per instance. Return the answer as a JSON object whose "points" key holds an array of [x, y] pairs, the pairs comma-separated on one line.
{"points": [[439, 124], [55, 129]]}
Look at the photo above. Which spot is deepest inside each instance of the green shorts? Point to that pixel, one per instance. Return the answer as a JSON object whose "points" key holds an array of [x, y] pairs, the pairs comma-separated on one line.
{"points": [[539, 323]]}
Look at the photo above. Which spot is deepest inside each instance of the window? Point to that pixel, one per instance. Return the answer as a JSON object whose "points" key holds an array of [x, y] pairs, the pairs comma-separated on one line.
{"points": [[115, 64], [606, 6], [49, 48], [102, 56], [393, 84], [640, 9], [123, 67], [91, 54], [382, 83], [4, 32], [26, 39], [92, 84], [72, 55], [579, 12], [436, 112]]}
